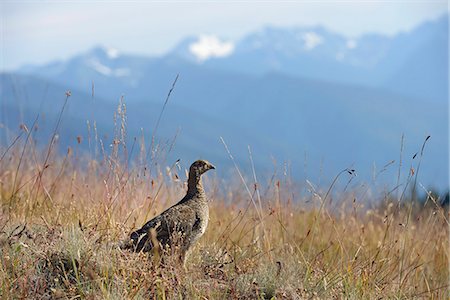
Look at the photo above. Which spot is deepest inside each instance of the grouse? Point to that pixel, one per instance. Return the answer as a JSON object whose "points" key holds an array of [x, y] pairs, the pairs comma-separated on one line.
{"points": [[183, 223]]}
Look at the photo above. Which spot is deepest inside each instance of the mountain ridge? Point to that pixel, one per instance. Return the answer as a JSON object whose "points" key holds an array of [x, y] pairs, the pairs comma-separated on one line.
{"points": [[285, 113]]}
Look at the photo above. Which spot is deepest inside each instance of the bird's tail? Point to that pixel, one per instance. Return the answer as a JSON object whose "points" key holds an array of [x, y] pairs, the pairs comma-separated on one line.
{"points": [[135, 242], [127, 244]]}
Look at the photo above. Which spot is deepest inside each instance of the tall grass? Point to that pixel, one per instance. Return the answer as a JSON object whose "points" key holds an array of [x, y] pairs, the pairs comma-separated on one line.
{"points": [[63, 218]]}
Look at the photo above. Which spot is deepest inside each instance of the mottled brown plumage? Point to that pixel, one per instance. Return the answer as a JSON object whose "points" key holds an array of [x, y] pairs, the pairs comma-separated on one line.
{"points": [[186, 221]]}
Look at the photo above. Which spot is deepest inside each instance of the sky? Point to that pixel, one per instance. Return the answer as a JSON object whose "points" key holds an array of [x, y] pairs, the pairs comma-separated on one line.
{"points": [[37, 32]]}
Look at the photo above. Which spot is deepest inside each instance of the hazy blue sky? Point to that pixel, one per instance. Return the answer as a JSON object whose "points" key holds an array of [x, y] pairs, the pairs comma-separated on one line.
{"points": [[41, 31]]}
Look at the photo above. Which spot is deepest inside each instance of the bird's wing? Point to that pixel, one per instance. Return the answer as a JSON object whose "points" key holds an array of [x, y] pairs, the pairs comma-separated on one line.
{"points": [[178, 218]]}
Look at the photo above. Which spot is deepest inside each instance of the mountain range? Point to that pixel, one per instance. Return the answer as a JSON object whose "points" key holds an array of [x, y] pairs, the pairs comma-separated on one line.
{"points": [[307, 96]]}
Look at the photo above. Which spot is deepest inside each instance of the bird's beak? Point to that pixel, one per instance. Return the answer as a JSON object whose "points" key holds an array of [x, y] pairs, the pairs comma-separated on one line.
{"points": [[211, 167]]}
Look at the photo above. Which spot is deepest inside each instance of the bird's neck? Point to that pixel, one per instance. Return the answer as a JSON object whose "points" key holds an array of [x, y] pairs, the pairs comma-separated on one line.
{"points": [[195, 186]]}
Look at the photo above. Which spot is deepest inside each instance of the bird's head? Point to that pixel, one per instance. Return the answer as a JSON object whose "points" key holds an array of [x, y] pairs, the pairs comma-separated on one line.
{"points": [[199, 167]]}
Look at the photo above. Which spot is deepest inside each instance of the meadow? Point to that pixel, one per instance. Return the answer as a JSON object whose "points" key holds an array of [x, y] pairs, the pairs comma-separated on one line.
{"points": [[63, 217]]}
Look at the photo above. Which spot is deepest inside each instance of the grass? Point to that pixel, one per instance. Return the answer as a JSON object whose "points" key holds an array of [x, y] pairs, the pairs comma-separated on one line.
{"points": [[63, 218]]}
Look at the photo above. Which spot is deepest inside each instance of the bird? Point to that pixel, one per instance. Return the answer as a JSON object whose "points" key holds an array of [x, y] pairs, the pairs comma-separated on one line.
{"points": [[183, 223]]}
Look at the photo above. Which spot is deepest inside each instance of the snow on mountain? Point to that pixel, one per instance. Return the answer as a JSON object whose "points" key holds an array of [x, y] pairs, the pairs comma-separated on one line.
{"points": [[309, 52], [208, 46], [107, 71], [202, 48], [289, 42], [112, 53], [312, 40]]}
